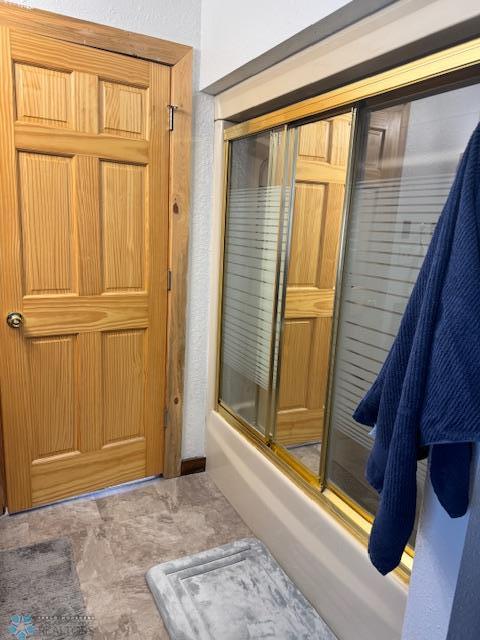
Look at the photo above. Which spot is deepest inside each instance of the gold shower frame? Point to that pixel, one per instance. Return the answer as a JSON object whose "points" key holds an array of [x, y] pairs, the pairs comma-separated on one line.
{"points": [[449, 66]]}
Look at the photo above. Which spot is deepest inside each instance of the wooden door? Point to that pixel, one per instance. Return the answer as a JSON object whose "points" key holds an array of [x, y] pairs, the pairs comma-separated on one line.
{"points": [[83, 250], [317, 216]]}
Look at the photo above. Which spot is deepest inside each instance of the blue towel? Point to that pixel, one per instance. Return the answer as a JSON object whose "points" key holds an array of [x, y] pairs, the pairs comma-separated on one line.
{"points": [[426, 399]]}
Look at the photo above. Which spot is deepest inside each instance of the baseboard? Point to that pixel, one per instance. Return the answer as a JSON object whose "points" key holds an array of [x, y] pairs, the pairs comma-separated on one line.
{"points": [[192, 465]]}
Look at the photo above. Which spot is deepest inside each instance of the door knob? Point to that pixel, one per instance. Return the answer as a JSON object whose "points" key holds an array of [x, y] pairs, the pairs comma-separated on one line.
{"points": [[15, 320]]}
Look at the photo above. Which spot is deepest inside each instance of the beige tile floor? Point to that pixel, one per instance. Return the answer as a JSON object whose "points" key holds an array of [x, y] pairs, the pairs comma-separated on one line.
{"points": [[118, 536]]}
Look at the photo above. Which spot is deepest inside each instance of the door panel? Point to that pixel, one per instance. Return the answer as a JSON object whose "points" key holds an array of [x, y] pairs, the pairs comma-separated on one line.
{"points": [[46, 219], [124, 110], [317, 215], [123, 384], [123, 195], [304, 263], [53, 395], [83, 242], [294, 385], [43, 96]]}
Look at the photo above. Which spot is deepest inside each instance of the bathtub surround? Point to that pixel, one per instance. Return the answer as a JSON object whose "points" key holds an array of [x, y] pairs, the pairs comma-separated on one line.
{"points": [[422, 401]]}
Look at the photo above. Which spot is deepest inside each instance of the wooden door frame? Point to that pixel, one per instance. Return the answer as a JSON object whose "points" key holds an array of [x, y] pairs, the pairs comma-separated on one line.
{"points": [[179, 58]]}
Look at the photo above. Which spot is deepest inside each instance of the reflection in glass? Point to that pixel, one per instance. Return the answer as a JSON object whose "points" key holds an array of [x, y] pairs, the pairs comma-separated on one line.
{"points": [[255, 245], [407, 160], [320, 175]]}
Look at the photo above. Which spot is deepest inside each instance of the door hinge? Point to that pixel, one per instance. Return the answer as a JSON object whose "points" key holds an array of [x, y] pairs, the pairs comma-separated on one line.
{"points": [[171, 116], [169, 280], [165, 418]]}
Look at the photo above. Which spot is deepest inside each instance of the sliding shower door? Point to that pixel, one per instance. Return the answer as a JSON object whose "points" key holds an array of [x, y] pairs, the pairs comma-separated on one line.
{"points": [[406, 160], [328, 221], [256, 233], [317, 215]]}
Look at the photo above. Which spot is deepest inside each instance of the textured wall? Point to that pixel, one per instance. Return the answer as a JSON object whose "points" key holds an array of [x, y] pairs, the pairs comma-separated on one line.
{"points": [[438, 552], [177, 20], [233, 33]]}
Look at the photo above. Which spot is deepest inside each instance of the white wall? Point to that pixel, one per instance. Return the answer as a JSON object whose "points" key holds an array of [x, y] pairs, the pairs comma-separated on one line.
{"points": [[177, 20], [233, 33], [439, 548], [399, 24]]}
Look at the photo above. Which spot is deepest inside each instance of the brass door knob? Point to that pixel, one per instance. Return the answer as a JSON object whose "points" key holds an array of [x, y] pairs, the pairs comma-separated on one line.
{"points": [[15, 320]]}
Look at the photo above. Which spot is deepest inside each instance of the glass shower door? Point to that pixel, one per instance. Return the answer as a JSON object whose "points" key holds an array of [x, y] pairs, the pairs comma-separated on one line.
{"points": [[256, 232], [317, 215], [407, 158]]}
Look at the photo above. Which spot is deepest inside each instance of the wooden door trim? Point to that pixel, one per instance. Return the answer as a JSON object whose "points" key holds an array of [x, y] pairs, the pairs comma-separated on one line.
{"points": [[91, 34], [180, 159], [179, 58]]}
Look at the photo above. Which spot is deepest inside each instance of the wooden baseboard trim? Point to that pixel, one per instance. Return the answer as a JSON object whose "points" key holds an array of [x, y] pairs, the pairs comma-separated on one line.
{"points": [[192, 465]]}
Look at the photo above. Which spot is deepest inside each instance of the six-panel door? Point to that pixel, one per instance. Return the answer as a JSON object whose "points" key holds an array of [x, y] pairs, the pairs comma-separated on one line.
{"points": [[84, 240]]}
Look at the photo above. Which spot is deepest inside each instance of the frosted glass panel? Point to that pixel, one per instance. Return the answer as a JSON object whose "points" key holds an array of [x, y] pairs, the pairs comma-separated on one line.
{"points": [[250, 277], [255, 243], [406, 164]]}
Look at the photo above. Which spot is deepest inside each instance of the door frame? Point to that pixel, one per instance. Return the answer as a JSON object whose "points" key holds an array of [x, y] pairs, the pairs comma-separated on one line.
{"points": [[179, 58]]}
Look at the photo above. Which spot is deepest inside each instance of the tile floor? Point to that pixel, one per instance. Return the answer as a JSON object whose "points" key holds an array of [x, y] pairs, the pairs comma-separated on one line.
{"points": [[117, 537]]}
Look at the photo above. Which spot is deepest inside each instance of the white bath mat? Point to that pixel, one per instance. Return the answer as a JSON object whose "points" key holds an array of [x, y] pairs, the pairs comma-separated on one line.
{"points": [[234, 592]]}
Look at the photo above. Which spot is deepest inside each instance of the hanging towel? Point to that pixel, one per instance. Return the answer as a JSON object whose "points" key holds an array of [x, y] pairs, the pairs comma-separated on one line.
{"points": [[426, 399]]}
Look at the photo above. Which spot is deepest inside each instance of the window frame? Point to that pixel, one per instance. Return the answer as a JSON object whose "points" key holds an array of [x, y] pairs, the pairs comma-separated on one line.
{"points": [[450, 67]]}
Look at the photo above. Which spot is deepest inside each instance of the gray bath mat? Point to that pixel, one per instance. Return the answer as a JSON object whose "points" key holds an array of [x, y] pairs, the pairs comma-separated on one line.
{"points": [[233, 592], [40, 594]]}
